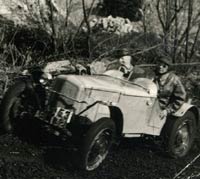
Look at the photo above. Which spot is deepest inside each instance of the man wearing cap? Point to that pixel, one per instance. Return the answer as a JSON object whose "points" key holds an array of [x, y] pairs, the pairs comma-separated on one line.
{"points": [[171, 92]]}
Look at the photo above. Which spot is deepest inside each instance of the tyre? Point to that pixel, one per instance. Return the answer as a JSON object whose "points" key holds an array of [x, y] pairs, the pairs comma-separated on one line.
{"points": [[179, 135], [97, 143], [197, 140], [17, 105]]}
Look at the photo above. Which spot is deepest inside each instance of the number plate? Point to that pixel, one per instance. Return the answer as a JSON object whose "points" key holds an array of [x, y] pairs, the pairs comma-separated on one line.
{"points": [[61, 117]]}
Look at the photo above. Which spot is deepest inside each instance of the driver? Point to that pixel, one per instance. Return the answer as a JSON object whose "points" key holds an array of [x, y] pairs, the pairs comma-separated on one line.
{"points": [[127, 66], [171, 92]]}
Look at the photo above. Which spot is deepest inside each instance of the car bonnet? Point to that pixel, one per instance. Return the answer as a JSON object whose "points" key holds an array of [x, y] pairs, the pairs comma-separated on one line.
{"points": [[106, 83]]}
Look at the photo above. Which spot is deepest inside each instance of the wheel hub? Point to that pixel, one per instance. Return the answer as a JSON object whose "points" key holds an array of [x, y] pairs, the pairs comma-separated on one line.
{"points": [[99, 149], [182, 139]]}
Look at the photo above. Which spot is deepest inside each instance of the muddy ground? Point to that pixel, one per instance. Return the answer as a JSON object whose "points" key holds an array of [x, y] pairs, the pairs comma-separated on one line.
{"points": [[132, 159]]}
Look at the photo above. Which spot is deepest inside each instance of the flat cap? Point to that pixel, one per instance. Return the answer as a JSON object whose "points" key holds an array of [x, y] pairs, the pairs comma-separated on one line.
{"points": [[165, 60], [125, 52]]}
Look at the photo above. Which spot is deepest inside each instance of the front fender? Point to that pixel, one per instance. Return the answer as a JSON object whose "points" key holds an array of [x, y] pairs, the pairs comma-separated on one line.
{"points": [[187, 107], [96, 112]]}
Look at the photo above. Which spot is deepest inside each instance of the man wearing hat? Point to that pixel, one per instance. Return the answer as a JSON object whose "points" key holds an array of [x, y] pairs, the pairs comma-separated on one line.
{"points": [[171, 92], [127, 65]]}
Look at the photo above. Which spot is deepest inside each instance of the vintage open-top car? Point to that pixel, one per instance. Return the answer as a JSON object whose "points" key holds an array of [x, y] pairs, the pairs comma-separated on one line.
{"points": [[95, 110]]}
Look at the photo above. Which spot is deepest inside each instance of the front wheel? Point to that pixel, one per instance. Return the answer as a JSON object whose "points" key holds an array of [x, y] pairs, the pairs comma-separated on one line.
{"points": [[179, 135], [17, 106], [97, 143]]}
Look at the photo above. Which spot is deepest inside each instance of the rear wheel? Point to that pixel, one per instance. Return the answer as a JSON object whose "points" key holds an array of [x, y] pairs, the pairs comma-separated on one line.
{"points": [[17, 106], [179, 135], [97, 143]]}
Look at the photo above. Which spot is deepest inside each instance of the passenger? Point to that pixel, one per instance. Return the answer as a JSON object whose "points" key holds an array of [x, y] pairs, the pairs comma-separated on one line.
{"points": [[171, 92]]}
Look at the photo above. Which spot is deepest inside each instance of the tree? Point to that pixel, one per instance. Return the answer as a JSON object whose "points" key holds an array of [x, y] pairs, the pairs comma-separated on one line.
{"points": [[178, 21]]}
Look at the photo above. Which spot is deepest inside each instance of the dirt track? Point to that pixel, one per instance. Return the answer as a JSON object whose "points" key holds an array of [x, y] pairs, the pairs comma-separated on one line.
{"points": [[133, 158]]}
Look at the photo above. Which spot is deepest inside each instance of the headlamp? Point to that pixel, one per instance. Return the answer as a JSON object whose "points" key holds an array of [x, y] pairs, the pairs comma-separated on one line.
{"points": [[45, 78]]}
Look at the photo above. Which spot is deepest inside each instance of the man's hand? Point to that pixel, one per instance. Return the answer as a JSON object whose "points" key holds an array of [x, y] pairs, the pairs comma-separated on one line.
{"points": [[163, 114]]}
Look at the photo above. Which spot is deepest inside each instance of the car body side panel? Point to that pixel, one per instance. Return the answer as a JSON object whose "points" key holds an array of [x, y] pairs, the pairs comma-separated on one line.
{"points": [[136, 112], [140, 114], [154, 120]]}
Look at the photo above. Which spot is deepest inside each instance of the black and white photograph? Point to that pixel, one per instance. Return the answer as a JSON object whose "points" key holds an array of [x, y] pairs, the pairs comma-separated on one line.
{"points": [[99, 89]]}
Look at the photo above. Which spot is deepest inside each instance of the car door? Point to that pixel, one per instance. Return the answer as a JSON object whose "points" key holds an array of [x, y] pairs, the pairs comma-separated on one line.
{"points": [[136, 112]]}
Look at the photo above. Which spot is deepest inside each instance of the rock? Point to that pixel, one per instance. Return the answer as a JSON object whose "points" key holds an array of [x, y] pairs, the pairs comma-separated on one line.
{"points": [[39, 13], [117, 25]]}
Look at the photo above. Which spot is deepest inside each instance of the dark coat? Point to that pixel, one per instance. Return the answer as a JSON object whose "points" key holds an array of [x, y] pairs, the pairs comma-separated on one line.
{"points": [[171, 92]]}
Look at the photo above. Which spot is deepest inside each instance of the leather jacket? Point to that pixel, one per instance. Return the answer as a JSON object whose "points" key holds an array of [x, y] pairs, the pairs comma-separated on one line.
{"points": [[171, 92]]}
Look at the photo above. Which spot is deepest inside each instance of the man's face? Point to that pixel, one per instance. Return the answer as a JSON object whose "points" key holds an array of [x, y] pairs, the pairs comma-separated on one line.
{"points": [[162, 68], [126, 61]]}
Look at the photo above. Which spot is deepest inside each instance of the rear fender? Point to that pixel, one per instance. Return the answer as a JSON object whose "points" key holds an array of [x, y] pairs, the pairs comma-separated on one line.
{"points": [[187, 107]]}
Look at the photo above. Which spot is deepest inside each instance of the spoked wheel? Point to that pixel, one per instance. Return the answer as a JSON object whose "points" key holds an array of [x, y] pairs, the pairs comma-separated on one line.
{"points": [[97, 143], [182, 139], [22, 110], [16, 107], [99, 148], [180, 135], [197, 139]]}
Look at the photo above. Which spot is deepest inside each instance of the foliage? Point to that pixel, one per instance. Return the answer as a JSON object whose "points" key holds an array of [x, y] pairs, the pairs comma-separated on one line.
{"points": [[138, 44]]}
